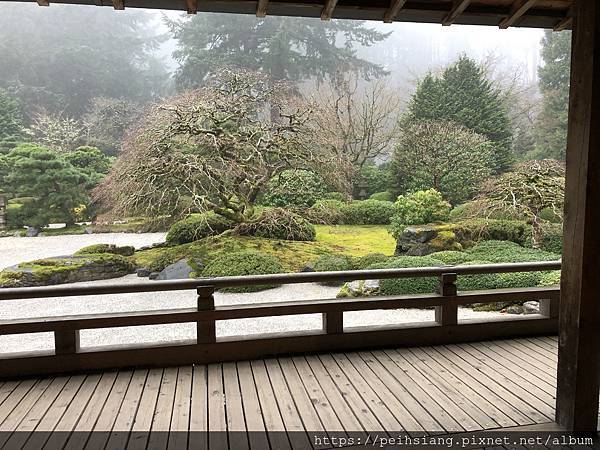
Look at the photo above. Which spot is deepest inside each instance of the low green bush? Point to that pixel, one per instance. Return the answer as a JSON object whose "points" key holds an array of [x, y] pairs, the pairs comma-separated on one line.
{"points": [[197, 226], [474, 208], [400, 286], [333, 263], [368, 212], [552, 237], [418, 208], [519, 279], [363, 262], [279, 223], [550, 278], [474, 230], [508, 252], [126, 250], [294, 188], [339, 196], [325, 212], [243, 263], [477, 282], [451, 257], [385, 196]]}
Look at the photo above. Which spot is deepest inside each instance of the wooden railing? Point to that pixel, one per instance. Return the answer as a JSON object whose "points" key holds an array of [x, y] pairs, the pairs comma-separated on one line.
{"points": [[68, 356]]}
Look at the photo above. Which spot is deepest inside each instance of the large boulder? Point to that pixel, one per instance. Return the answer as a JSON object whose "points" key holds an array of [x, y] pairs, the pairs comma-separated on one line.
{"points": [[180, 270], [426, 239]]}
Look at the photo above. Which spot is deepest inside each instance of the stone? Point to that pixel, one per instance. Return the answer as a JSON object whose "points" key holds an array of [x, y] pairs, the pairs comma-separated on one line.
{"points": [[371, 287], [153, 275], [88, 230], [143, 272], [514, 309], [531, 307], [308, 268], [32, 232], [355, 288], [423, 240], [176, 271]]}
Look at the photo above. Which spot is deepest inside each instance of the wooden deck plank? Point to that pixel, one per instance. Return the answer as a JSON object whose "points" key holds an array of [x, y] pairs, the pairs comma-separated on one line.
{"points": [[274, 403]]}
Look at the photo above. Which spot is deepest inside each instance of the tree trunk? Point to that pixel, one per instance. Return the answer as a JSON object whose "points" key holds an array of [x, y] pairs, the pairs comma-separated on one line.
{"points": [[536, 233]]}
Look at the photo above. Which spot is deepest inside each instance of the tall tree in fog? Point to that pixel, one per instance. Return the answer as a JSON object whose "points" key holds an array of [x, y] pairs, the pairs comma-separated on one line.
{"points": [[61, 57], [463, 95], [552, 123], [285, 48]]}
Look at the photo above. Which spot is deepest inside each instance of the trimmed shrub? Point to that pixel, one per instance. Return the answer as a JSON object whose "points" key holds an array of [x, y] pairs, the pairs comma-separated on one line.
{"points": [[472, 210], [196, 227], [384, 196], [325, 212], [333, 263], [368, 212], [508, 252], [126, 250], [278, 223], [419, 208], [339, 196], [399, 286], [243, 263], [552, 238], [294, 188], [363, 262], [477, 282], [451, 257], [519, 279], [493, 230], [551, 278]]}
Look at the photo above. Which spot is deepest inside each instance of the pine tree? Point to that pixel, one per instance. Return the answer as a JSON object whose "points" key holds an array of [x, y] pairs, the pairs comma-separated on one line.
{"points": [[463, 95], [294, 49], [11, 118], [552, 123]]}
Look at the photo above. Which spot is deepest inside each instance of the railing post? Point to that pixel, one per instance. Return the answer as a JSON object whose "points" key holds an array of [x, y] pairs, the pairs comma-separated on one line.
{"points": [[333, 322], [447, 314], [66, 342], [205, 329], [549, 307]]}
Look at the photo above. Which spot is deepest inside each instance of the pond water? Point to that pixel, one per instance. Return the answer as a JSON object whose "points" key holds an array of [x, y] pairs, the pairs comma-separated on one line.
{"points": [[15, 250]]}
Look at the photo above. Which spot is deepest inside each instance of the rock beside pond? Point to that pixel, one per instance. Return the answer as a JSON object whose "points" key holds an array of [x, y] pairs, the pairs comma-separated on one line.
{"points": [[181, 269], [426, 239], [68, 269]]}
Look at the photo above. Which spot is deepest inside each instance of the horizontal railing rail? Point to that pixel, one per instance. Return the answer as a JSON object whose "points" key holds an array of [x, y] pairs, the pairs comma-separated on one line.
{"points": [[68, 356]]}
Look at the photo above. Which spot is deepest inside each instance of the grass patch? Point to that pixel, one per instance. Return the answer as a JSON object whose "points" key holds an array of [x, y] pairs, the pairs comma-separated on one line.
{"points": [[357, 240]]}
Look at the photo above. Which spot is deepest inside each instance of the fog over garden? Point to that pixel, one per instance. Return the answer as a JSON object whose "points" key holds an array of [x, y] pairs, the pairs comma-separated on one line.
{"points": [[139, 145]]}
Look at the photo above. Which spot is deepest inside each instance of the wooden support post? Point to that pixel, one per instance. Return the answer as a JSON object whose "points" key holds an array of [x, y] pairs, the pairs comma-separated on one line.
{"points": [[191, 6], [333, 322], [66, 342], [327, 11], [518, 9], [261, 8], [458, 7], [447, 314], [206, 330], [393, 10], [579, 335]]}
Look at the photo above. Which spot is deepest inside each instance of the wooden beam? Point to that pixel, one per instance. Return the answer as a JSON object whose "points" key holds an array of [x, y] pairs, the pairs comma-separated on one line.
{"points": [[328, 9], [579, 358], [261, 8], [458, 8], [119, 5], [565, 23], [192, 6], [43, 3], [393, 10], [518, 9]]}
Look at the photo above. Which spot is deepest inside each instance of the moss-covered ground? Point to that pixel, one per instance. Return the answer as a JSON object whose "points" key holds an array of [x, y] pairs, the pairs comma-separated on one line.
{"points": [[357, 240]]}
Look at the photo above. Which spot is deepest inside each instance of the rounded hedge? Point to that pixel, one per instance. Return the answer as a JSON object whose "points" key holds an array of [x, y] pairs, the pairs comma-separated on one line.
{"points": [[493, 230], [519, 279], [325, 212], [508, 252], [333, 263], [368, 212], [551, 278], [294, 187], [243, 263], [400, 286], [279, 223], [363, 262], [477, 282], [385, 196], [452, 257], [126, 250], [197, 226]]}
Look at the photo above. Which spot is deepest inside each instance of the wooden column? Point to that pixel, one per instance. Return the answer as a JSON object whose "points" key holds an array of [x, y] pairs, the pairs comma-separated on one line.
{"points": [[579, 343], [447, 314], [206, 329]]}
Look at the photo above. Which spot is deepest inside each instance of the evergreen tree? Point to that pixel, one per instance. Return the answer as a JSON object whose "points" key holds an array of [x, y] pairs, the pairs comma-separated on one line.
{"points": [[11, 121], [463, 95], [283, 47], [552, 123]]}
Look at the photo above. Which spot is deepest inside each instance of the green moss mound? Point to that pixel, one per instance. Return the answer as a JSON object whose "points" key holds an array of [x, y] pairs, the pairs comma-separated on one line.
{"points": [[197, 226], [333, 263], [325, 212], [400, 286], [551, 278], [243, 263], [126, 250], [477, 282], [363, 262], [508, 252], [279, 223], [384, 196], [451, 257]]}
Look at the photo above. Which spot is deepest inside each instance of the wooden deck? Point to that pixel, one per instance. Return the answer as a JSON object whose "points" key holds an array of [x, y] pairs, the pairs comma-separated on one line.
{"points": [[445, 389]]}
